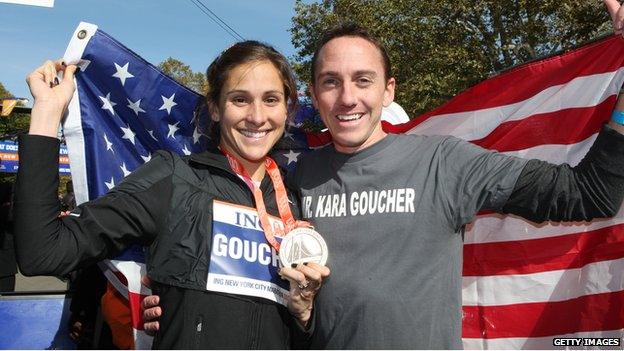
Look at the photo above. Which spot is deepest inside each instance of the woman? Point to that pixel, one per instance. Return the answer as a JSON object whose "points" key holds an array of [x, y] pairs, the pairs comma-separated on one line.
{"points": [[170, 203]]}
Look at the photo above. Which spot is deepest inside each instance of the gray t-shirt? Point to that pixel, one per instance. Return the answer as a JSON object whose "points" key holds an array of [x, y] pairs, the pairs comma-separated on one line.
{"points": [[393, 217]]}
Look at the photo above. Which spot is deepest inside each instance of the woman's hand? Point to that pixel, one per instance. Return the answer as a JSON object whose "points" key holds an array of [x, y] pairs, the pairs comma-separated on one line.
{"points": [[305, 281], [51, 96]]}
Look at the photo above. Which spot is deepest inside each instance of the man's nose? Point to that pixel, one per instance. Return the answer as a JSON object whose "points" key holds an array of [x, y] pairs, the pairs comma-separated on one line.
{"points": [[347, 95]]}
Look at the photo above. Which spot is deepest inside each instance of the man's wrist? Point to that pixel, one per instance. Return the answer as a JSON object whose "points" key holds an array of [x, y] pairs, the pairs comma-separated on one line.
{"points": [[303, 318], [618, 117]]}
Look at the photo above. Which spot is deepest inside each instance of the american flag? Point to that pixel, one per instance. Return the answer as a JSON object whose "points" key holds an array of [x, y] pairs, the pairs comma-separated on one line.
{"points": [[123, 110], [524, 283]]}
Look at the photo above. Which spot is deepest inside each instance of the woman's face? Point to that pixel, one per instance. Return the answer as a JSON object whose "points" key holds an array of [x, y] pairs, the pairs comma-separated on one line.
{"points": [[252, 110]]}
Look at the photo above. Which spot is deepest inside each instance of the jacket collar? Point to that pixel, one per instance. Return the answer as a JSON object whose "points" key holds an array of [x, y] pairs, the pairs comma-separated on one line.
{"points": [[212, 157]]}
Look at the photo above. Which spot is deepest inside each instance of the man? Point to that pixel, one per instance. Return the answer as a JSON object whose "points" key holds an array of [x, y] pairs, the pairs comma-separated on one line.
{"points": [[393, 224]]}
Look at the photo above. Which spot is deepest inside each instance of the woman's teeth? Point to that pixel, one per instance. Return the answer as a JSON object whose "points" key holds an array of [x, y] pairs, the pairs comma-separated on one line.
{"points": [[254, 134]]}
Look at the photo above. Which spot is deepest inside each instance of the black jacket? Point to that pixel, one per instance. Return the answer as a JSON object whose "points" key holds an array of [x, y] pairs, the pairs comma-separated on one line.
{"points": [[166, 204]]}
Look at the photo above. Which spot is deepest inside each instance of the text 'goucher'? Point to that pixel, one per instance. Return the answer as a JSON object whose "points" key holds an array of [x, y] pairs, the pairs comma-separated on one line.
{"points": [[587, 342]]}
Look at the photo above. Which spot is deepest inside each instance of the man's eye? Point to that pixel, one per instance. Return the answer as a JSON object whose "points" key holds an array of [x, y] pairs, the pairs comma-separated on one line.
{"points": [[364, 81], [330, 82], [239, 100]]}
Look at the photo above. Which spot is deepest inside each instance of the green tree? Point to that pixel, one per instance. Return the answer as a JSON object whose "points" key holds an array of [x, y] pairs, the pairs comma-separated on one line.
{"points": [[3, 92], [184, 75], [15, 123], [10, 128], [439, 48]]}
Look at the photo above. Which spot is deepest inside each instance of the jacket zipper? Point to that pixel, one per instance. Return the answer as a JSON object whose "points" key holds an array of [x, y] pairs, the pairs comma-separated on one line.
{"points": [[255, 327]]}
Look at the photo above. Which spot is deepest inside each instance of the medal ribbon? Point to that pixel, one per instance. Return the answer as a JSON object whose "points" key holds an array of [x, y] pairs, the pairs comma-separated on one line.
{"points": [[281, 198]]}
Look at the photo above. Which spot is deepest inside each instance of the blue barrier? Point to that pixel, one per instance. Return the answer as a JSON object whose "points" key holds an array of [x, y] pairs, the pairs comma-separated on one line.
{"points": [[35, 322], [10, 158]]}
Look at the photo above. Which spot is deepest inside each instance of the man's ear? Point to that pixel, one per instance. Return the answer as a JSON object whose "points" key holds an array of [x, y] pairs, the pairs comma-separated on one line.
{"points": [[389, 92], [213, 110], [313, 95]]}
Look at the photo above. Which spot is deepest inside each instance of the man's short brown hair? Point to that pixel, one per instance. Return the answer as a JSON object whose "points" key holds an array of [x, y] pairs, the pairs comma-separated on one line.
{"points": [[349, 30]]}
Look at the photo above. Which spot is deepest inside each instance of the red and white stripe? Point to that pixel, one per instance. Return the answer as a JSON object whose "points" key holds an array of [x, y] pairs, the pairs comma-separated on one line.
{"points": [[125, 276], [525, 283]]}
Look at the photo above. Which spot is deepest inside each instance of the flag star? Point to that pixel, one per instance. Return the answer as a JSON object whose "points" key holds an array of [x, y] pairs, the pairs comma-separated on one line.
{"points": [[128, 134], [173, 128], [108, 104], [122, 73], [146, 158], [168, 103], [135, 106], [292, 156], [125, 171], [151, 133], [196, 136], [109, 145], [287, 134], [186, 150], [111, 184]]}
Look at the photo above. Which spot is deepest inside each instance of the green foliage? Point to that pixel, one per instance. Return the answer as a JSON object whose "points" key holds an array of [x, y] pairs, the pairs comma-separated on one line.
{"points": [[439, 48], [10, 126], [184, 75], [15, 123], [3, 92]]}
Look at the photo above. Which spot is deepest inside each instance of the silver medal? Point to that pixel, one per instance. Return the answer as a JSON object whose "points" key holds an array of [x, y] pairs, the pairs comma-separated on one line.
{"points": [[301, 245]]}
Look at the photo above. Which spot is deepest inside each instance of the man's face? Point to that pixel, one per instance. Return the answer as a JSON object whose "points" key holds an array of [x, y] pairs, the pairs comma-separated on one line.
{"points": [[350, 90]]}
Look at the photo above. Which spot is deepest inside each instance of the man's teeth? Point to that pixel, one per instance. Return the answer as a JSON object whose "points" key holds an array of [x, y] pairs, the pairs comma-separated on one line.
{"points": [[351, 117], [252, 134]]}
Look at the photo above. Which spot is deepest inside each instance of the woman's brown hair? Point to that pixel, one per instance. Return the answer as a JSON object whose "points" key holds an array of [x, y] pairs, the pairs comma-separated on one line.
{"points": [[241, 53]]}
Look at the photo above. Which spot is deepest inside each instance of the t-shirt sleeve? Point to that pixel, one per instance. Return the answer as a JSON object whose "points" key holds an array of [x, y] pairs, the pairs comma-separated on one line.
{"points": [[592, 189], [474, 179]]}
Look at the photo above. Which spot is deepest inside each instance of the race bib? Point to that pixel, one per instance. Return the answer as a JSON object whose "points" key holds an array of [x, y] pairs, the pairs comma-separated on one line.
{"points": [[241, 260]]}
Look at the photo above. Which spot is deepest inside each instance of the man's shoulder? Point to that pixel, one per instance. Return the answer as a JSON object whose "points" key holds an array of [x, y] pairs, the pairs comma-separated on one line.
{"points": [[310, 163], [414, 142], [320, 155], [424, 138]]}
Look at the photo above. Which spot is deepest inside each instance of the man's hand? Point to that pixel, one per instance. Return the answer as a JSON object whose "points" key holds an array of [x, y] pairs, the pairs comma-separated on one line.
{"points": [[150, 309], [305, 281], [617, 15]]}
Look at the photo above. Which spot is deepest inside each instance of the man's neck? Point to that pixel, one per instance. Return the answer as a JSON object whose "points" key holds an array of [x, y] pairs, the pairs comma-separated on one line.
{"points": [[353, 149]]}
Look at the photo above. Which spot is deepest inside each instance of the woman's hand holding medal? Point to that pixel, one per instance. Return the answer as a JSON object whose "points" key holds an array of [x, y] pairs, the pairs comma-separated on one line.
{"points": [[305, 281]]}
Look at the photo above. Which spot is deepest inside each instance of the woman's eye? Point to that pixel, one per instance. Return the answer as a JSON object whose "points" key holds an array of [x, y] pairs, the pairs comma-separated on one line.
{"points": [[272, 100]]}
